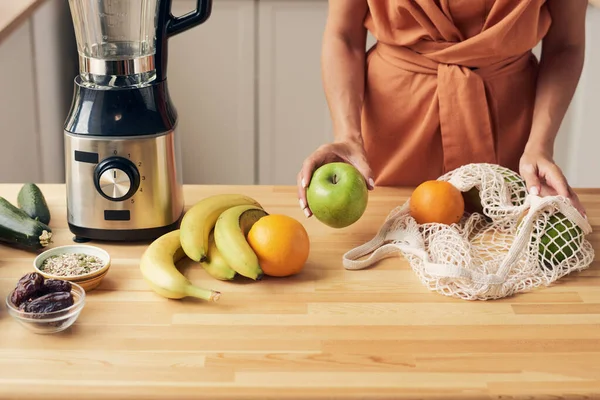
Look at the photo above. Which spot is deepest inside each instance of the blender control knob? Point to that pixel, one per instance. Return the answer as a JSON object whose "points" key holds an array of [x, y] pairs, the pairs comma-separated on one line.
{"points": [[116, 178]]}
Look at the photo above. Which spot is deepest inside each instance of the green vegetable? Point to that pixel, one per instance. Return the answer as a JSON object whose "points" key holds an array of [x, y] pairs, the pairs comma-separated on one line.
{"points": [[20, 230], [31, 200]]}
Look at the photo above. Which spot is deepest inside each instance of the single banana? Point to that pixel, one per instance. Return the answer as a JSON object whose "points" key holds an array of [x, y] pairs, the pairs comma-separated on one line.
{"points": [[200, 219], [215, 264], [230, 232], [160, 272]]}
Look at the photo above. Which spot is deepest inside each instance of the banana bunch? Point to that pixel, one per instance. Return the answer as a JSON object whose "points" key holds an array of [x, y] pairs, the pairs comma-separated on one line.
{"points": [[213, 233]]}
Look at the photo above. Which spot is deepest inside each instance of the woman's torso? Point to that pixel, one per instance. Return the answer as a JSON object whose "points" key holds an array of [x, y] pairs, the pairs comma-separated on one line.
{"points": [[472, 33], [449, 82]]}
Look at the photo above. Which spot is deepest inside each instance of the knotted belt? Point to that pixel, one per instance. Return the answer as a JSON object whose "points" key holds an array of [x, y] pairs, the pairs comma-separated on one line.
{"points": [[465, 121]]}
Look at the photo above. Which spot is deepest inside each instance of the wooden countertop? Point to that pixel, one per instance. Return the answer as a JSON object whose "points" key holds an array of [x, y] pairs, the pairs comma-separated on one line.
{"points": [[15, 12], [326, 333]]}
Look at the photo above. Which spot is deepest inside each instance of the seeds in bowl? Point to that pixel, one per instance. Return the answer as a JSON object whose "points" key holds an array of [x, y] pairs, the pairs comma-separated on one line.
{"points": [[71, 264]]}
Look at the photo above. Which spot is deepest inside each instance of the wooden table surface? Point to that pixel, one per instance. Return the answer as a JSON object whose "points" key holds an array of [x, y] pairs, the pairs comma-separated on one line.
{"points": [[326, 333]]}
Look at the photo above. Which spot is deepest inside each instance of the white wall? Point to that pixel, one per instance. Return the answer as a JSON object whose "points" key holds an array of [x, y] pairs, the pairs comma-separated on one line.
{"points": [[579, 140], [37, 68], [19, 152], [55, 67]]}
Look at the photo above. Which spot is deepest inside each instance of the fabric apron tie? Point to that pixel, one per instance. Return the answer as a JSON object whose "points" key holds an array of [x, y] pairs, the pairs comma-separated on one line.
{"points": [[465, 122], [464, 117]]}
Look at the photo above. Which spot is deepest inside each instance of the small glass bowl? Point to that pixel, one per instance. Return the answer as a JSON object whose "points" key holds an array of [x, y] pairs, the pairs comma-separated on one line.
{"points": [[53, 322]]}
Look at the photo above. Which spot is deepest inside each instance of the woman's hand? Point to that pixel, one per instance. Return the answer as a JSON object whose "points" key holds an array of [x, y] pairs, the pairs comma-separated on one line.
{"points": [[348, 151], [544, 178]]}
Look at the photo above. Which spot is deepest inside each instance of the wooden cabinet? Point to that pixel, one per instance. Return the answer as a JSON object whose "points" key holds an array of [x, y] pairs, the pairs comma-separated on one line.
{"points": [[17, 109], [293, 118], [37, 70], [248, 87], [211, 75]]}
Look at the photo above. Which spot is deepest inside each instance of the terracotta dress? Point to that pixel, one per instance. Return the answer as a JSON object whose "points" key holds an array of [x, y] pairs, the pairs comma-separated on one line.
{"points": [[449, 82]]}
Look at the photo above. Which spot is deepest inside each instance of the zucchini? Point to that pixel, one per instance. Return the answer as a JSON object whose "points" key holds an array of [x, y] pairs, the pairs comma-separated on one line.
{"points": [[20, 230], [31, 200]]}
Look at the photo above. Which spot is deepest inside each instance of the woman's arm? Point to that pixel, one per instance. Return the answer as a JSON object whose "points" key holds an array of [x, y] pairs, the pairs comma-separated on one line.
{"points": [[343, 66], [343, 73], [561, 64]]}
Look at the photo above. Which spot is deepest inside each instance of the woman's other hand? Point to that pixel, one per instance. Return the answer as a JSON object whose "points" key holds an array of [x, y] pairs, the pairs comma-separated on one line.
{"points": [[348, 151], [544, 178]]}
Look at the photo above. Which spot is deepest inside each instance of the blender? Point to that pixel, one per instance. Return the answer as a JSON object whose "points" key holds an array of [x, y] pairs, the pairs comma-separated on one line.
{"points": [[123, 172]]}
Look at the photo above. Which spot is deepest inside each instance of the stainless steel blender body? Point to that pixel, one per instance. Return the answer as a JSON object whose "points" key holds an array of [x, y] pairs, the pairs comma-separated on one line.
{"points": [[123, 188], [123, 172]]}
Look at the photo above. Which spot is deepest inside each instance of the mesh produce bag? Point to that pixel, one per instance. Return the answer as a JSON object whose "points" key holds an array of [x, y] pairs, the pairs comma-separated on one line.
{"points": [[513, 243]]}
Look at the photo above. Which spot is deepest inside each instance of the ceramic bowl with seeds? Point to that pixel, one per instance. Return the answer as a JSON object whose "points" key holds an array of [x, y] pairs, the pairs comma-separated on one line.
{"points": [[83, 264]]}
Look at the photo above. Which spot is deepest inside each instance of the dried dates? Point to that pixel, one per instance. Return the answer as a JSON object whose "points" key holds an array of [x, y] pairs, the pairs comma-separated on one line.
{"points": [[34, 294]]}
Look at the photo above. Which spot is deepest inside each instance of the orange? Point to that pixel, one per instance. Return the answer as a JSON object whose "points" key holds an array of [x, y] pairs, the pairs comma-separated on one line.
{"points": [[437, 202], [281, 244]]}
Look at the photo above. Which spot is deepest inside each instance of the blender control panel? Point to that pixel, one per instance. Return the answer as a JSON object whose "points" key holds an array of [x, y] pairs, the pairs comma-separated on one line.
{"points": [[116, 178]]}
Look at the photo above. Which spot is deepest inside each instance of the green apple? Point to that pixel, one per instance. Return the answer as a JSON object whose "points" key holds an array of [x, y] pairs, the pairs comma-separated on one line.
{"points": [[337, 194]]}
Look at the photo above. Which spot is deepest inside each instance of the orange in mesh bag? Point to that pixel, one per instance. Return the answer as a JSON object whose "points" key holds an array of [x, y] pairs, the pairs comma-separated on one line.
{"points": [[516, 241]]}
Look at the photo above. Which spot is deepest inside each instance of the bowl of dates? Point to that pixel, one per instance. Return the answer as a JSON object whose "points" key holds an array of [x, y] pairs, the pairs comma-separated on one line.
{"points": [[45, 305]]}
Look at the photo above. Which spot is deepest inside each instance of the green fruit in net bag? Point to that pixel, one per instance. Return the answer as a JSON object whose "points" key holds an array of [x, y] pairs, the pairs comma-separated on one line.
{"points": [[518, 192], [517, 186], [561, 239], [473, 201]]}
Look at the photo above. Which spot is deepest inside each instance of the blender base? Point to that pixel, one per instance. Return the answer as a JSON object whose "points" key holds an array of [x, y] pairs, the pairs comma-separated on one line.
{"points": [[83, 235]]}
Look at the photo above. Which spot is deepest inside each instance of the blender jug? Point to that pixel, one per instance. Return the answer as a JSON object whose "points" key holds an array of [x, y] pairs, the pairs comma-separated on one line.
{"points": [[118, 40], [123, 170]]}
